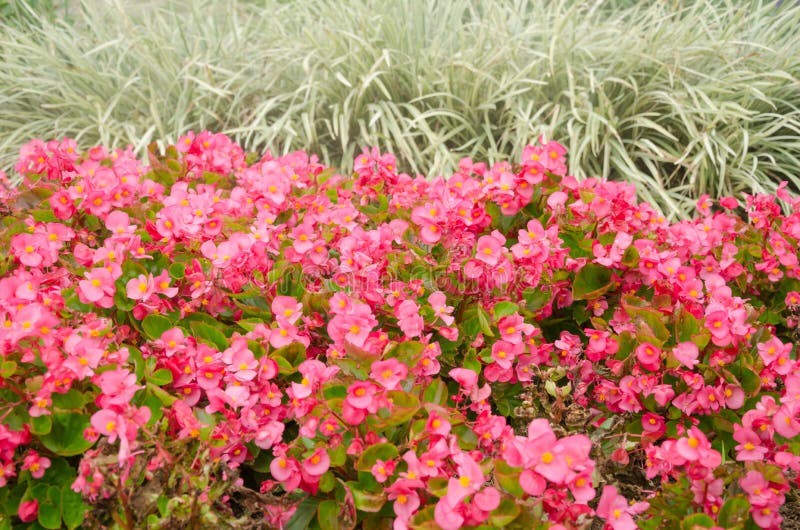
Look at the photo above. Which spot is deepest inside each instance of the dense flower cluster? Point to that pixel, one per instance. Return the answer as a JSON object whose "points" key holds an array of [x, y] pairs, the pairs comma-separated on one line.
{"points": [[477, 350]]}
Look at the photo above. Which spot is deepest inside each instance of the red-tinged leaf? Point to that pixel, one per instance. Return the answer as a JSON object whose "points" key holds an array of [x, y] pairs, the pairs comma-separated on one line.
{"points": [[383, 451]]}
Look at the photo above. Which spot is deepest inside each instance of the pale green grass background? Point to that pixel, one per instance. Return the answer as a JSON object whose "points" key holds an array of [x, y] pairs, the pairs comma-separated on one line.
{"points": [[678, 97]]}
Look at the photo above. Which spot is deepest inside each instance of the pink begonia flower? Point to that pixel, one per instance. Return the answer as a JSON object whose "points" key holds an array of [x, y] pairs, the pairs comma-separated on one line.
{"points": [[382, 471], [718, 324], [437, 425], [240, 360], [704, 204], [117, 426], [532, 483], [286, 470], [388, 373], [686, 353], [490, 248], [28, 511], [734, 396], [284, 334], [430, 233], [464, 377], [504, 353], [513, 327], [318, 463], [582, 488], [286, 308], [353, 415], [446, 515], [352, 322], [62, 204], [161, 285], [556, 201], [173, 341], [269, 434], [616, 511], [409, 319], [84, 356], [438, 302], [653, 423], [786, 421], [98, 285], [314, 373], [36, 464], [792, 298], [221, 255], [361, 395], [487, 499], [140, 288], [119, 223], [406, 502], [469, 480], [303, 238], [649, 356], [117, 387], [696, 447], [749, 448]]}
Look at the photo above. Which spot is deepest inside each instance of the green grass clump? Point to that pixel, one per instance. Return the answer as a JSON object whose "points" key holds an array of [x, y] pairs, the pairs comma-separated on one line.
{"points": [[680, 98]]}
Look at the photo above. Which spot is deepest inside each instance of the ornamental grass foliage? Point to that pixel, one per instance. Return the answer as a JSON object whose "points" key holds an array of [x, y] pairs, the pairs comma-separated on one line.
{"points": [[681, 98], [219, 338]]}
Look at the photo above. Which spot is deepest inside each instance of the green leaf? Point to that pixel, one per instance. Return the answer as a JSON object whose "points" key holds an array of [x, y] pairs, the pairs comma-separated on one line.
{"points": [[507, 511], [303, 515], [404, 407], [327, 481], [72, 508], [45, 216], [71, 301], [122, 302], [135, 356], [373, 453], [7, 369], [156, 408], [592, 281], [249, 324], [649, 322], [338, 456], [631, 257], [66, 436], [686, 326], [50, 509], [60, 473], [750, 380], [71, 400], [177, 271], [503, 309], [734, 512], [697, 520], [436, 392], [294, 354], [41, 425], [160, 377], [334, 392], [535, 299], [508, 478], [210, 334], [328, 515], [409, 352], [165, 397], [364, 500], [485, 325], [155, 325]]}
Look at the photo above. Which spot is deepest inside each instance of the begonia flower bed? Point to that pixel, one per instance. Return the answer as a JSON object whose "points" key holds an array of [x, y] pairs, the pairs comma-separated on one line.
{"points": [[217, 338]]}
